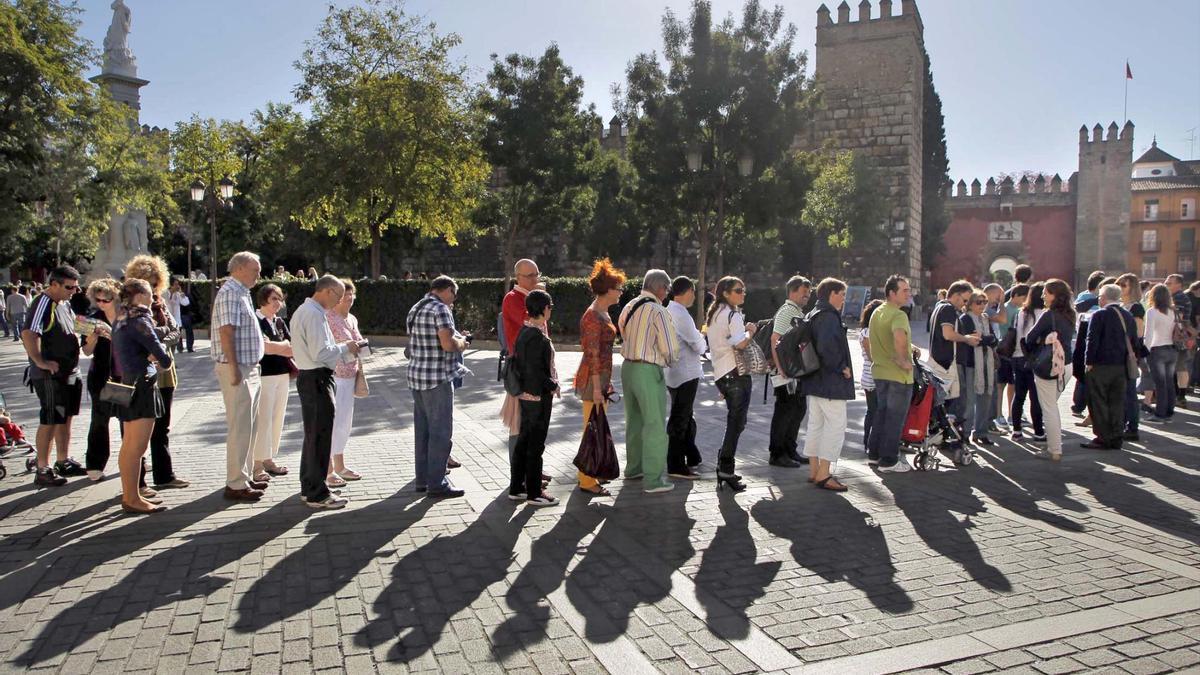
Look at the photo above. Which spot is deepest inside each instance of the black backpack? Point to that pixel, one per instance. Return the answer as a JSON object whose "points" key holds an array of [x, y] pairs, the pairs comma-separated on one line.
{"points": [[797, 349]]}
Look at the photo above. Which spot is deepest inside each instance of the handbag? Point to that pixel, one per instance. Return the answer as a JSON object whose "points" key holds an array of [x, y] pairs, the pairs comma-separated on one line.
{"points": [[361, 390], [751, 360], [115, 393], [1131, 358], [1008, 346], [597, 456]]}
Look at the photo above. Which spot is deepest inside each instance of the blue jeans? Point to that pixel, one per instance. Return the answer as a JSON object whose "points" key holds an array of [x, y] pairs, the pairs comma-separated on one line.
{"points": [[736, 390], [18, 324], [1162, 368], [433, 420], [976, 408], [892, 400]]}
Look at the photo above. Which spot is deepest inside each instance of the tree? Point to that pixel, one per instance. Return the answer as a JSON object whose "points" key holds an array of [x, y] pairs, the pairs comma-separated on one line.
{"points": [[204, 149], [613, 229], [844, 203], [935, 174], [540, 141], [393, 138], [732, 97]]}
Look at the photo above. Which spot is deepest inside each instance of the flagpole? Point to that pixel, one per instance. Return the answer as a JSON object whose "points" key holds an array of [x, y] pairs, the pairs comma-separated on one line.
{"points": [[1126, 90]]}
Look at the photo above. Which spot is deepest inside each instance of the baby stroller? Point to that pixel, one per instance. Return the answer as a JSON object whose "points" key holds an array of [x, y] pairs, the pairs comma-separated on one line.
{"points": [[12, 439], [929, 427]]}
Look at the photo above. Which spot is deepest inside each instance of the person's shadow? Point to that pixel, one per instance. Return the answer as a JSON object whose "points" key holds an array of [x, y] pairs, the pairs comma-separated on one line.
{"points": [[728, 577], [603, 586], [546, 570], [438, 580], [835, 540], [357, 534], [166, 578], [936, 523]]}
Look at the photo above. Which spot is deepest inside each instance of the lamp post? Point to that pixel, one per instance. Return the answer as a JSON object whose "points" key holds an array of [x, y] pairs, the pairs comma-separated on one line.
{"points": [[222, 196]]}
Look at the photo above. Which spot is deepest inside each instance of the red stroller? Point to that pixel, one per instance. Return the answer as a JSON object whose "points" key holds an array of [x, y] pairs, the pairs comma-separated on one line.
{"points": [[929, 426]]}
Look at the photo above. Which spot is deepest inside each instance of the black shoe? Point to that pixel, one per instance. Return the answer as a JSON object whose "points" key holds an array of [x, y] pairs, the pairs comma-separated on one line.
{"points": [[784, 460], [47, 478], [732, 480], [447, 494], [1131, 436], [797, 457], [69, 467]]}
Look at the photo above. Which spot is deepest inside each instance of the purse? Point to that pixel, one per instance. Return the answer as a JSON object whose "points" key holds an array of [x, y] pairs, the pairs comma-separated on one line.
{"points": [[751, 360], [1008, 346], [115, 393], [597, 455], [361, 390], [1131, 357]]}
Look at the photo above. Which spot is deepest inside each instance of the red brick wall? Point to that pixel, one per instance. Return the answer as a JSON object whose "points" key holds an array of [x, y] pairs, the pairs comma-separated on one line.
{"points": [[1047, 243]]}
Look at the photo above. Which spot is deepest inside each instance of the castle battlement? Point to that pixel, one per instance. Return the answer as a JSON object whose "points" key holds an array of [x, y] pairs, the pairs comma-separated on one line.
{"points": [[864, 22], [1116, 136], [1040, 191]]}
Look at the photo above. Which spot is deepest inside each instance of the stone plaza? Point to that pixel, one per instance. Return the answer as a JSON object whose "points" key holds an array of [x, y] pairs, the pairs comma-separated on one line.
{"points": [[1014, 564]]}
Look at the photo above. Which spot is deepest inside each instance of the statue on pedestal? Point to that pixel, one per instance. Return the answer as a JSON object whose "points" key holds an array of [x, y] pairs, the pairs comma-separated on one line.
{"points": [[118, 59]]}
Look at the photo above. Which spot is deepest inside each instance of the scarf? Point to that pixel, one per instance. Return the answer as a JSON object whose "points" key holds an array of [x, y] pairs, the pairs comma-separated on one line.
{"points": [[985, 357]]}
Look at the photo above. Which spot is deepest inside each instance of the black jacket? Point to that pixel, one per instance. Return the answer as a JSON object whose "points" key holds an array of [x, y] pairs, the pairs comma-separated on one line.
{"points": [[829, 334], [533, 355], [1106, 336], [1051, 322]]}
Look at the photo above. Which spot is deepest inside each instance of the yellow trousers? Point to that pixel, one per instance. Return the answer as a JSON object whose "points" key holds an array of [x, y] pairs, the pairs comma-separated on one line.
{"points": [[585, 481]]}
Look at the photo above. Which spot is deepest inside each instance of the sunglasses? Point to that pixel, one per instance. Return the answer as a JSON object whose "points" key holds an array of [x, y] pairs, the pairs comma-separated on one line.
{"points": [[71, 288], [979, 302], [103, 301], [739, 291]]}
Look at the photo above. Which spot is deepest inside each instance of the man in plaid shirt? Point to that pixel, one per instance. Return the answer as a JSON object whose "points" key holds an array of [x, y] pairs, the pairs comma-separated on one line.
{"points": [[433, 343], [237, 347]]}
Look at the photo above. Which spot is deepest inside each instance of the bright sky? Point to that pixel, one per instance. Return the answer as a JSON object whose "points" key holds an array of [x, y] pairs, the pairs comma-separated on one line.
{"points": [[1017, 77]]}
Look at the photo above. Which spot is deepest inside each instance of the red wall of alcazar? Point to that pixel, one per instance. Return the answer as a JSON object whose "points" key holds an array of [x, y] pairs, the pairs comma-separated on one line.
{"points": [[978, 235]]}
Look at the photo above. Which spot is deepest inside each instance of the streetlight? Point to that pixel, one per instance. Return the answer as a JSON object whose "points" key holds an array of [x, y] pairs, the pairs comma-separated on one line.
{"points": [[225, 193], [745, 164], [693, 157]]}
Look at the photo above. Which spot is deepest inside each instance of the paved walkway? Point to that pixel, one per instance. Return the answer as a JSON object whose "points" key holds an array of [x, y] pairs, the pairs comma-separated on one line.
{"points": [[1014, 564]]}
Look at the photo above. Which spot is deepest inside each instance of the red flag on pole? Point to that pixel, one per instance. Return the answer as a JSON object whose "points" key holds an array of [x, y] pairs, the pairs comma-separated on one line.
{"points": [[1128, 72]]}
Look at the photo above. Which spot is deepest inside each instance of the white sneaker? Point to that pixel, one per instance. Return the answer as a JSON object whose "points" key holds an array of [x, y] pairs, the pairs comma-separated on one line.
{"points": [[662, 488], [899, 467], [95, 475], [542, 500], [330, 502]]}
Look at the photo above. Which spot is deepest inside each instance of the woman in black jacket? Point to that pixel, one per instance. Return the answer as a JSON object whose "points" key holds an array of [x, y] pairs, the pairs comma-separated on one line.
{"points": [[1058, 321], [138, 358], [534, 359], [827, 390]]}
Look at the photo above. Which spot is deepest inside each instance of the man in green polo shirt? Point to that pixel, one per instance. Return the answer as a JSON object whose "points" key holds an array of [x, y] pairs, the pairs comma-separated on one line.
{"points": [[892, 367]]}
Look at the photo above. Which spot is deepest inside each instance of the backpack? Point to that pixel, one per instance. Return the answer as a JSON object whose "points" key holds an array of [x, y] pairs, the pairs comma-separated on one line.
{"points": [[797, 349]]}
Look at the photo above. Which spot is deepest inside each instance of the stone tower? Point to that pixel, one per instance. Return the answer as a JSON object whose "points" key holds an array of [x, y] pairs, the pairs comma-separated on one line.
{"points": [[871, 72], [1103, 200]]}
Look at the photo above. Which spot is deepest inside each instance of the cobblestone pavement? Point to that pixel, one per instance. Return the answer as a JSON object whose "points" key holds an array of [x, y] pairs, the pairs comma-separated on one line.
{"points": [[1014, 564]]}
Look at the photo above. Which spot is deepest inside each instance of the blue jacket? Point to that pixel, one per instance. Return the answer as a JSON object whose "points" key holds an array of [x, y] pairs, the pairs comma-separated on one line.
{"points": [[1106, 336], [834, 349]]}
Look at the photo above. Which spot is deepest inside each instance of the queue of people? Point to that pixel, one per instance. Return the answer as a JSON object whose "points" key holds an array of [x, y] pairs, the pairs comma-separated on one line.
{"points": [[990, 348]]}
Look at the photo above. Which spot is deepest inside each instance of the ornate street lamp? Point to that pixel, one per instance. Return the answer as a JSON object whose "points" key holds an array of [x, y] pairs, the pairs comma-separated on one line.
{"points": [[198, 188], [199, 191], [693, 157], [226, 187], [745, 164]]}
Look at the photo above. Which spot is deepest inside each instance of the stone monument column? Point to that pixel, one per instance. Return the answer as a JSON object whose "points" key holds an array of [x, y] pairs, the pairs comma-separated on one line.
{"points": [[127, 228]]}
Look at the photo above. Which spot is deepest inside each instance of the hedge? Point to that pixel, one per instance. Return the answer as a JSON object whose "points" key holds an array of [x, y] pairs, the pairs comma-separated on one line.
{"points": [[381, 306]]}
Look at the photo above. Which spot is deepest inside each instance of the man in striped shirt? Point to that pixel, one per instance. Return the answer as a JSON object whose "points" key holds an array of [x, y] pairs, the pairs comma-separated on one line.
{"points": [[649, 344]]}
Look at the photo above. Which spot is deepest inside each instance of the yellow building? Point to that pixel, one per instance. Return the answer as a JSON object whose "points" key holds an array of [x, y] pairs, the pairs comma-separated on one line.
{"points": [[1163, 220]]}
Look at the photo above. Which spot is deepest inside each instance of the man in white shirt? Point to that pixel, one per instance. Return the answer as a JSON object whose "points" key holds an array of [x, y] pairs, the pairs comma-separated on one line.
{"points": [[683, 379]]}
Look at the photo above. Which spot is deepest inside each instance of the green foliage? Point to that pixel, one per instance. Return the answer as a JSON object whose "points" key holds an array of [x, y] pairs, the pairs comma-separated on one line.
{"points": [[844, 204], [614, 229], [392, 142], [542, 142], [935, 173], [731, 92]]}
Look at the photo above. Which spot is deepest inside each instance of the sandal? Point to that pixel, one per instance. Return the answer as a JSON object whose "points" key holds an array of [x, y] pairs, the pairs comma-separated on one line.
{"points": [[600, 491], [334, 480], [274, 469], [824, 485], [350, 474]]}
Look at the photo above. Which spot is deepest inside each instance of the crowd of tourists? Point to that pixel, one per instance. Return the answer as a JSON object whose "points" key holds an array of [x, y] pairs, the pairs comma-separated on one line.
{"points": [[991, 350]]}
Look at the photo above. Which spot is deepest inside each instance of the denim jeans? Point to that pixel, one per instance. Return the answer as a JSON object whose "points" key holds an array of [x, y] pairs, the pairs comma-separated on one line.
{"points": [[1162, 368], [976, 408], [18, 324], [736, 390], [892, 400], [869, 419], [433, 421], [189, 333]]}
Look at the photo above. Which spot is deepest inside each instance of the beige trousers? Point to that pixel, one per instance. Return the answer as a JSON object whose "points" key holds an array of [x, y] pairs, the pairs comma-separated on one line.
{"points": [[241, 406]]}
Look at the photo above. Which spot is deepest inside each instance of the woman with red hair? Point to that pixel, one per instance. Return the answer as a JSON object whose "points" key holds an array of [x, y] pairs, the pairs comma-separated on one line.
{"points": [[593, 380]]}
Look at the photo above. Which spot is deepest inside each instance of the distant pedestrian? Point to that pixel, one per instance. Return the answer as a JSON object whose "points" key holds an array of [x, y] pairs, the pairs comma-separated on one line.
{"points": [[1131, 302], [1160, 331], [1022, 362], [16, 304]]}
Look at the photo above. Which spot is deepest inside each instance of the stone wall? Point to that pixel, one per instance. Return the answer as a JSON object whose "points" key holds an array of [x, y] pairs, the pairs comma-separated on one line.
{"points": [[1102, 212], [871, 74]]}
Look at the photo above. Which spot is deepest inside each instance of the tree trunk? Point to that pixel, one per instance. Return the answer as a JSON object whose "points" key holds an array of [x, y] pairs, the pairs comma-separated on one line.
{"points": [[700, 271], [376, 251]]}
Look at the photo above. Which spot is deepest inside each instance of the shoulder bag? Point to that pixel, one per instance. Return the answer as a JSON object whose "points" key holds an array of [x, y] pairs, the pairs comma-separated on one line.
{"points": [[115, 393]]}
